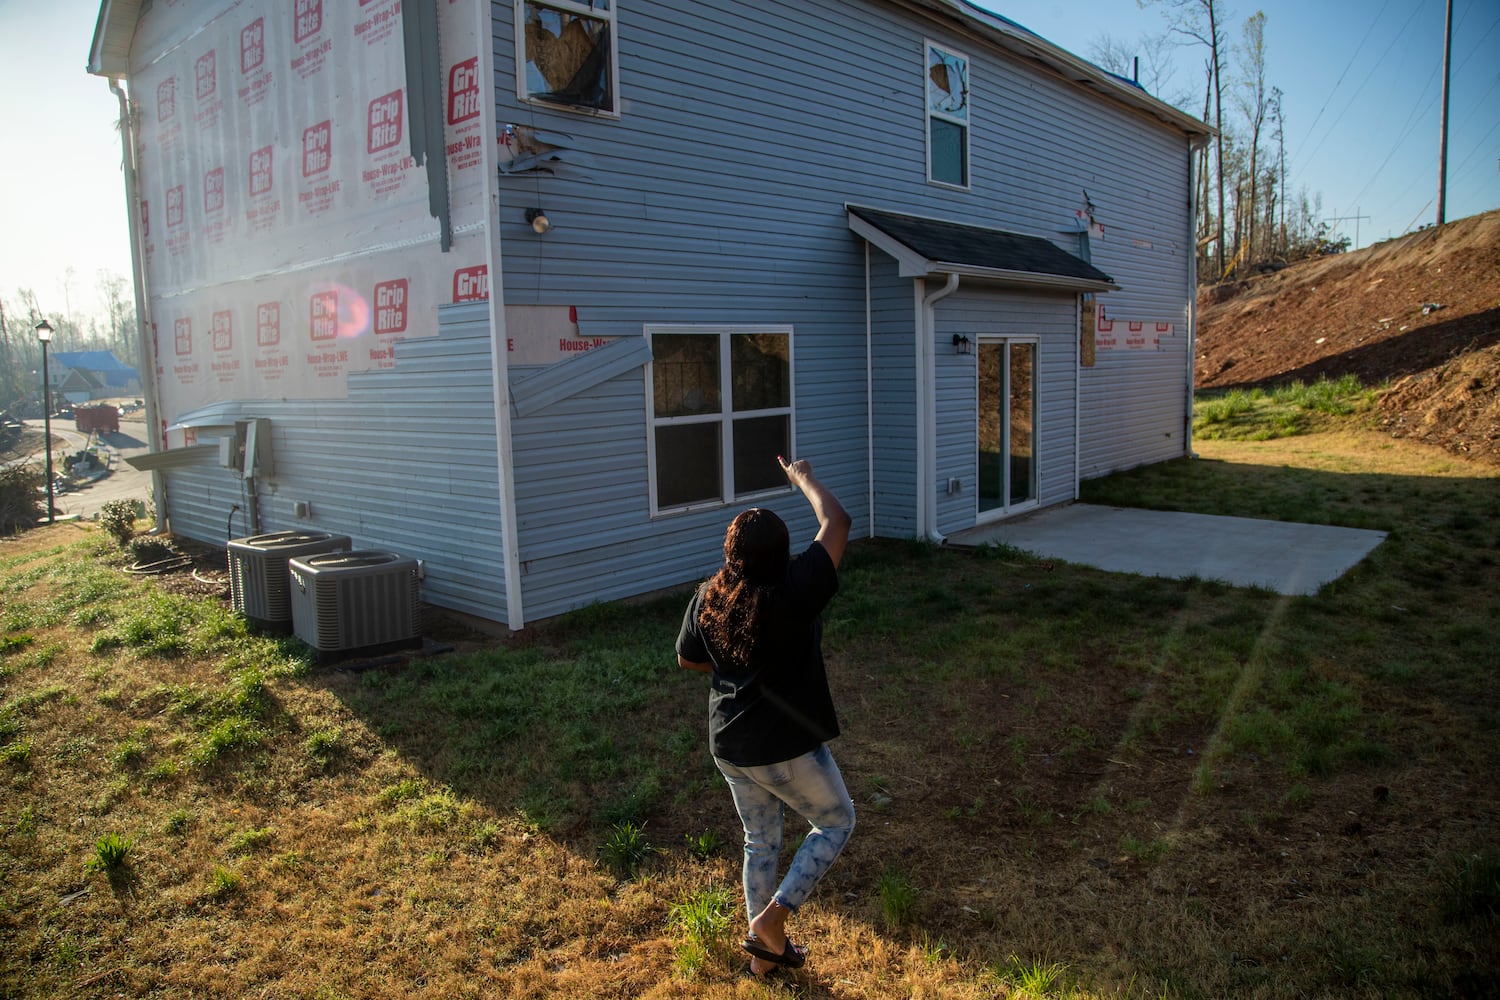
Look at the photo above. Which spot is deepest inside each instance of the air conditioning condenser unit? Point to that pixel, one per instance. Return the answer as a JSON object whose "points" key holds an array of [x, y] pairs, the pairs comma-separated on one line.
{"points": [[258, 583], [364, 600]]}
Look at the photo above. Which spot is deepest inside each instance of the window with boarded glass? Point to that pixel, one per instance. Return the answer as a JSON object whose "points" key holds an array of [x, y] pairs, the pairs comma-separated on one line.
{"points": [[721, 412], [566, 52], [947, 116]]}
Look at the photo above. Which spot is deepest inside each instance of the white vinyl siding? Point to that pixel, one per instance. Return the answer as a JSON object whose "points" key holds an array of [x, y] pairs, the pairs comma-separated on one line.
{"points": [[369, 467], [718, 199], [1050, 321]]}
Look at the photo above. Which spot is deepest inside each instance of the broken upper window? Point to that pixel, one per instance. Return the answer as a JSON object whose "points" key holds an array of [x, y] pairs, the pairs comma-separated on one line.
{"points": [[566, 52], [947, 116]]}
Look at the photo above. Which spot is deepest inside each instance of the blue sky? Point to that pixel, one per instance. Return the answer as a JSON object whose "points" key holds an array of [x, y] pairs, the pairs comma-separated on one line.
{"points": [[1361, 80]]}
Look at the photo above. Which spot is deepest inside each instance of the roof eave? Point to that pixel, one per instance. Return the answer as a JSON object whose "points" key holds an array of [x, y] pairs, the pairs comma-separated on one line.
{"points": [[1075, 69], [1027, 279], [109, 55], [910, 264]]}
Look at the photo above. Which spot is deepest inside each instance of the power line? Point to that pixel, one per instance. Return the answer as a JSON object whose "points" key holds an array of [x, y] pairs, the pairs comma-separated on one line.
{"points": [[1483, 139], [1355, 55], [1420, 212], [1477, 45], [1417, 111], [1376, 65]]}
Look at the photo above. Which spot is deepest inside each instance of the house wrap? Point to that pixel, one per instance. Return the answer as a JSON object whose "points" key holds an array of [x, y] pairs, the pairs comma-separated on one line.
{"points": [[535, 291]]}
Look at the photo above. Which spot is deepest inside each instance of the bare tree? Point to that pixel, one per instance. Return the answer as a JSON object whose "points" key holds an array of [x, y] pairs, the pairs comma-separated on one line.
{"points": [[20, 354], [118, 313], [1147, 61], [1199, 21], [1252, 101], [1278, 243]]}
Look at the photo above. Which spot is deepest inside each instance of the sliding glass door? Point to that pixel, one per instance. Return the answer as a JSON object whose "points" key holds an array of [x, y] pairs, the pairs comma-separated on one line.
{"points": [[1007, 425]]}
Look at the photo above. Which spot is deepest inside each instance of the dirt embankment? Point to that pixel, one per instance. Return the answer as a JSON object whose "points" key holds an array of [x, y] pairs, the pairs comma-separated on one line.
{"points": [[1419, 315]]}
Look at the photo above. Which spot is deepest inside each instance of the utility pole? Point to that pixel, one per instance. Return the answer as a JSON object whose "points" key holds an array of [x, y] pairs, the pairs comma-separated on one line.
{"points": [[1442, 195], [1356, 217]]}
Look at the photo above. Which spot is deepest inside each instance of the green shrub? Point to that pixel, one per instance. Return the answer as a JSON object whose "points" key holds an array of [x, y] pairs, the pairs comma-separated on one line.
{"points": [[21, 506], [117, 518]]}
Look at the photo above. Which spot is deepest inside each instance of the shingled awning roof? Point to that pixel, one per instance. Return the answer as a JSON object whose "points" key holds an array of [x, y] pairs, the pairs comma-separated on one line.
{"points": [[924, 246]]}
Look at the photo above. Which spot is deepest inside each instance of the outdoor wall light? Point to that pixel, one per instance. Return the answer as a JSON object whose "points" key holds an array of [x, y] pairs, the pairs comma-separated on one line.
{"points": [[538, 219], [962, 344]]}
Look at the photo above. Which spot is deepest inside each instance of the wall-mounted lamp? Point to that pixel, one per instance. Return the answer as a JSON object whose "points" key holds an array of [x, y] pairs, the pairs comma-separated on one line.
{"points": [[538, 219], [962, 344]]}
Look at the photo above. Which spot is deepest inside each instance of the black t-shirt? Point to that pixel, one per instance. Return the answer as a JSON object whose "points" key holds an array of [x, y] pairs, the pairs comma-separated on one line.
{"points": [[780, 707]]}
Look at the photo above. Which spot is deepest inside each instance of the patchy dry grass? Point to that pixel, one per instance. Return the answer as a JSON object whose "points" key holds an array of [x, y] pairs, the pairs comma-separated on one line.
{"points": [[1071, 784]]}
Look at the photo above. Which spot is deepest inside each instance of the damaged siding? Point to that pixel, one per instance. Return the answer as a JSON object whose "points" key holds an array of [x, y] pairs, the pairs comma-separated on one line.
{"points": [[717, 198]]}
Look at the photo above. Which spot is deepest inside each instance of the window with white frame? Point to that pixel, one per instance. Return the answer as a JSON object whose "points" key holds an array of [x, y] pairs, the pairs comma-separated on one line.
{"points": [[947, 116], [721, 412], [567, 54]]}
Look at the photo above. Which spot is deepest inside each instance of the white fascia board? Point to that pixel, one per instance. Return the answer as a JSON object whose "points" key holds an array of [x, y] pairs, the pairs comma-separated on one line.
{"points": [[913, 264], [109, 55], [1030, 279]]}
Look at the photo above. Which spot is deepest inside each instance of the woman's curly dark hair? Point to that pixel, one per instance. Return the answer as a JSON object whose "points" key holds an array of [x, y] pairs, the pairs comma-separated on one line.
{"points": [[740, 607]]}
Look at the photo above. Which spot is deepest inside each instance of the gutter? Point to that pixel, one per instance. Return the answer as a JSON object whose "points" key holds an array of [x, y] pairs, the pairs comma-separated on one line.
{"points": [[927, 410], [145, 355], [1077, 399]]}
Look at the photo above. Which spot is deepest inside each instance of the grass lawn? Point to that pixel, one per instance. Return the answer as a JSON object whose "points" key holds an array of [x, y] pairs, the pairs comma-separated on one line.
{"points": [[1070, 783]]}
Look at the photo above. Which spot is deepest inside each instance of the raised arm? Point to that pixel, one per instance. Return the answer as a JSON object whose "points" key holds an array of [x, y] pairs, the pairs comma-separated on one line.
{"points": [[833, 519]]}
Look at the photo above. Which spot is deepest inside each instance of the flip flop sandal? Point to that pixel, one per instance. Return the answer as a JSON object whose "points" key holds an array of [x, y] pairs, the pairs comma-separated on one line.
{"points": [[791, 956], [748, 973]]}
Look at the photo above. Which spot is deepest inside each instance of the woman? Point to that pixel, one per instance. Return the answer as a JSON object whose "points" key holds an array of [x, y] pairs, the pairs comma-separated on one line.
{"points": [[755, 627]]}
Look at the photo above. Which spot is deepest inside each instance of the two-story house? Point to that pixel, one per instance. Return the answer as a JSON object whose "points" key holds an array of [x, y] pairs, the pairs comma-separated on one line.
{"points": [[537, 290]]}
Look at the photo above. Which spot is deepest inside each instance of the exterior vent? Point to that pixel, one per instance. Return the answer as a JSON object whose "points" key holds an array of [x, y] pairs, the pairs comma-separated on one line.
{"points": [[363, 600], [258, 585]]}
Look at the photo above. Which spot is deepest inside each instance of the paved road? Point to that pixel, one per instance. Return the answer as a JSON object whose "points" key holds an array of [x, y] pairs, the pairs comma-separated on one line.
{"points": [[122, 482]]}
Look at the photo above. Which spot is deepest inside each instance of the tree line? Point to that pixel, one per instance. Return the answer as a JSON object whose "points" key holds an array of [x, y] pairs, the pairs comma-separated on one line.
{"points": [[21, 352], [1248, 217]]}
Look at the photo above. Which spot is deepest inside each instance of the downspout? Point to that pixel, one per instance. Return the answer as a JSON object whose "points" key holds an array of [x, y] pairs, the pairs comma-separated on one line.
{"points": [[1192, 297], [499, 361], [927, 411], [869, 399], [1078, 397], [145, 353]]}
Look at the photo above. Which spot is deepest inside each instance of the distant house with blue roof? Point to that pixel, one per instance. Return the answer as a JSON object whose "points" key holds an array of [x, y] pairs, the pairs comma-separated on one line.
{"points": [[80, 376]]}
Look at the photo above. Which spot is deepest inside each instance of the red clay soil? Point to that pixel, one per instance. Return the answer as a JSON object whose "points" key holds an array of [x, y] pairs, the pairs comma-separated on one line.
{"points": [[1417, 316]]}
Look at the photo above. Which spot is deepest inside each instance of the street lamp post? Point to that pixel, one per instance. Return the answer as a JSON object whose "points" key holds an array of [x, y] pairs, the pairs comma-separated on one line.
{"points": [[44, 334]]}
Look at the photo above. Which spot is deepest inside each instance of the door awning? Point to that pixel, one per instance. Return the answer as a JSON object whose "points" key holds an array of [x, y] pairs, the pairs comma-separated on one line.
{"points": [[923, 247]]}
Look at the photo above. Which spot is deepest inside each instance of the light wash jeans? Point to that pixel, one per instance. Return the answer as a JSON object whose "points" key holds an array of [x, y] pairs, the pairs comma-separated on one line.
{"points": [[812, 786]]}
